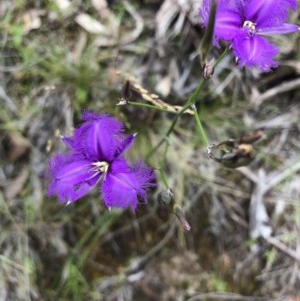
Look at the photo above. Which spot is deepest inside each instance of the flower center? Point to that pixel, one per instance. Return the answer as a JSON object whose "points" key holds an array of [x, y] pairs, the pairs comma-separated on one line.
{"points": [[251, 26], [101, 166]]}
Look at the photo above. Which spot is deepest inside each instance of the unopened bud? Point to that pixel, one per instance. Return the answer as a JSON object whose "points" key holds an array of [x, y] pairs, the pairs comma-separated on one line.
{"points": [[124, 100], [166, 197], [208, 69]]}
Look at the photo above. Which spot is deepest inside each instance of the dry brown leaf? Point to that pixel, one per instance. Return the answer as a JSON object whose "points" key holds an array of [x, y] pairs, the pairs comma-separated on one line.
{"points": [[126, 38], [79, 47], [32, 19], [65, 8], [63, 5], [15, 146], [15, 186], [99, 4], [164, 18], [102, 8], [139, 22], [90, 25], [164, 86], [187, 9]]}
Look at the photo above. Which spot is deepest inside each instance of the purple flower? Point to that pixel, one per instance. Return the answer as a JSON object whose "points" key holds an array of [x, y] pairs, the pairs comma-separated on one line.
{"points": [[96, 155], [244, 22]]}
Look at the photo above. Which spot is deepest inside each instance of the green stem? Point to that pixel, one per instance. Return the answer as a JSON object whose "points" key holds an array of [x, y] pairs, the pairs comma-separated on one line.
{"points": [[192, 99], [199, 124], [162, 172], [221, 57]]}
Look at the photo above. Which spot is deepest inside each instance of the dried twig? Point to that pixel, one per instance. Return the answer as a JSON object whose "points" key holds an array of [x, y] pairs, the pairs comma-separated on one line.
{"points": [[284, 87], [8, 102], [228, 296], [137, 264], [258, 214], [283, 248]]}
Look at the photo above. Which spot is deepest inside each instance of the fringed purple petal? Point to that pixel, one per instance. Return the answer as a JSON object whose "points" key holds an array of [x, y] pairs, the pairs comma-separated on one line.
{"points": [[72, 177], [204, 11], [228, 18], [125, 145], [254, 51], [285, 28], [99, 137], [69, 141], [125, 186], [268, 13]]}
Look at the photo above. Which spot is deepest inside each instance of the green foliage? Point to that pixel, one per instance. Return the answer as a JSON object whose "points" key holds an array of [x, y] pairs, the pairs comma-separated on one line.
{"points": [[73, 283], [93, 234], [217, 283], [271, 256], [13, 28]]}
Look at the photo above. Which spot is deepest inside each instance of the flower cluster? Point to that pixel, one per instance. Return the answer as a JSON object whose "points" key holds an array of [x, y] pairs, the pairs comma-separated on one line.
{"points": [[242, 23], [96, 155]]}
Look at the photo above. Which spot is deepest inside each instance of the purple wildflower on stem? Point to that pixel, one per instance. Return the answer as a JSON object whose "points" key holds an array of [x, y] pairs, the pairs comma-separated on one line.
{"points": [[244, 22], [96, 155]]}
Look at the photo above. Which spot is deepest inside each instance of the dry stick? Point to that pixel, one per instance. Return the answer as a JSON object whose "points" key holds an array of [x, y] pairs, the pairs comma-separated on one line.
{"points": [[136, 265], [283, 248], [139, 22], [281, 176], [284, 87], [271, 183], [14, 264], [275, 180], [223, 296], [7, 101]]}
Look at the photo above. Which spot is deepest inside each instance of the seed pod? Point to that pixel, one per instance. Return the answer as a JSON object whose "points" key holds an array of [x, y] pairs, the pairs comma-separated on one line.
{"points": [[235, 153], [124, 100], [208, 70], [166, 197]]}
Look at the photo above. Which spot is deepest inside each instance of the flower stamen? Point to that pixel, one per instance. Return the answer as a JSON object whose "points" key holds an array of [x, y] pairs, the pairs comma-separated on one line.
{"points": [[251, 26], [101, 166]]}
